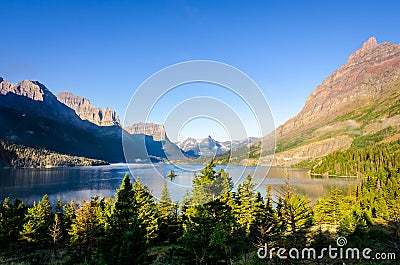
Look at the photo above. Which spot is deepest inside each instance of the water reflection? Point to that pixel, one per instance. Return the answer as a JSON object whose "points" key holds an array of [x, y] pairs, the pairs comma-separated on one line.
{"points": [[82, 183]]}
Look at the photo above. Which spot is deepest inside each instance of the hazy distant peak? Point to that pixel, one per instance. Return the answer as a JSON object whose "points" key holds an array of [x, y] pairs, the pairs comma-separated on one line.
{"points": [[152, 129]]}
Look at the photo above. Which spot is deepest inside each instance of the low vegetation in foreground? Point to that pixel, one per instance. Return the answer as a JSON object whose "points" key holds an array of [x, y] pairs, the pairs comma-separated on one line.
{"points": [[134, 228]]}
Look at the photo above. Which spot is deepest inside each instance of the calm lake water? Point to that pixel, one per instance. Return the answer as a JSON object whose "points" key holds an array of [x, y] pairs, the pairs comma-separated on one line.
{"points": [[82, 183]]}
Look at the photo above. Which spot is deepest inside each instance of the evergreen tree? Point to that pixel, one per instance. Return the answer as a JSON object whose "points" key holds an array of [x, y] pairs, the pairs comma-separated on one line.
{"points": [[249, 205], [146, 210], [168, 216], [332, 209], [208, 227], [124, 239], [295, 216], [37, 222], [85, 227], [11, 222], [55, 232]]}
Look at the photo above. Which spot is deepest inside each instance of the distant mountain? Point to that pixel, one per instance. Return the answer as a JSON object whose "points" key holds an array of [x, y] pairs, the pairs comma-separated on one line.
{"points": [[209, 147], [82, 107], [157, 132], [354, 106], [31, 115]]}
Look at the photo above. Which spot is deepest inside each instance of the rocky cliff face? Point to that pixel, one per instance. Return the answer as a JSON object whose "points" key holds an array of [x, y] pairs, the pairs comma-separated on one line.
{"points": [[360, 98], [360, 81], [152, 129], [32, 116], [82, 107], [34, 98], [30, 89]]}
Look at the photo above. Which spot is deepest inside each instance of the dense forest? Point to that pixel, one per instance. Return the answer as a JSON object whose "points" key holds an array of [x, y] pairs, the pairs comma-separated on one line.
{"points": [[214, 224], [15, 155], [374, 158]]}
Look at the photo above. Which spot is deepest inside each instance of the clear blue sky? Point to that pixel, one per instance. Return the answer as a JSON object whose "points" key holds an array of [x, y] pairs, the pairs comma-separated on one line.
{"points": [[104, 50]]}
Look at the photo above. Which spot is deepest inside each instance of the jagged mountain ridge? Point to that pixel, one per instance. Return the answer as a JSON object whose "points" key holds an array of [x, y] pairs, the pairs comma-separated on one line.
{"points": [[82, 107], [345, 106], [202, 147], [152, 129], [359, 99], [356, 83], [31, 115], [210, 147]]}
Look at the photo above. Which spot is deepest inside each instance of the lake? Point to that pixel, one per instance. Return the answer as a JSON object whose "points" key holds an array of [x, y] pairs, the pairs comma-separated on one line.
{"points": [[82, 183]]}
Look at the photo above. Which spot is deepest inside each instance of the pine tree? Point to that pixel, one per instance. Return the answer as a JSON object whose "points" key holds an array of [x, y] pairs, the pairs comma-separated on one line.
{"points": [[124, 207], [37, 222], [146, 210], [167, 212], [210, 185], [208, 227], [332, 209], [55, 232], [124, 240], [248, 205], [295, 216], [11, 222], [85, 227]]}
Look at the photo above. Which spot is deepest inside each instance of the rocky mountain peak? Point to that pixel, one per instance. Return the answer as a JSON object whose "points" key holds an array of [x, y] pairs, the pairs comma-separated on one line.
{"points": [[83, 108], [369, 77], [30, 89], [370, 43], [72, 100], [354, 84], [152, 129]]}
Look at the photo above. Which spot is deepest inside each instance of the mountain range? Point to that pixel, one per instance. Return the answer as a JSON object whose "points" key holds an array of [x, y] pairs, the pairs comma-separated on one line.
{"points": [[357, 104], [209, 147], [66, 123], [33, 116]]}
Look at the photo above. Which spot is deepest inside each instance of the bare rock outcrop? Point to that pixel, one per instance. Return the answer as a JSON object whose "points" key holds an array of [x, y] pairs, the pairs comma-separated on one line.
{"points": [[370, 76], [359, 82], [82, 107], [30, 89], [152, 129]]}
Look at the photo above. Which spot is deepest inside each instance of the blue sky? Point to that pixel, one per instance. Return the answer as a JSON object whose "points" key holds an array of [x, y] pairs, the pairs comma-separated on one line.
{"points": [[104, 50]]}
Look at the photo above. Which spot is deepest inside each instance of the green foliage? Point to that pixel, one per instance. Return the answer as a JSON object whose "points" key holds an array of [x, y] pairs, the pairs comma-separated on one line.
{"points": [[146, 210], [248, 205], [295, 216], [11, 222], [361, 161], [123, 241], [330, 210], [134, 229], [168, 217], [210, 185], [37, 222], [85, 227], [370, 139], [15, 155]]}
